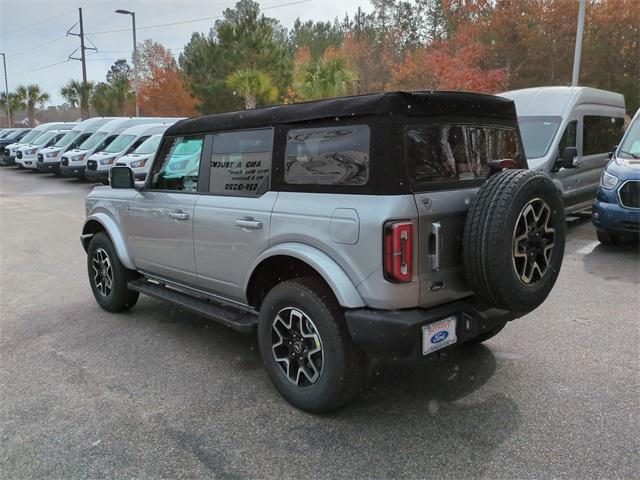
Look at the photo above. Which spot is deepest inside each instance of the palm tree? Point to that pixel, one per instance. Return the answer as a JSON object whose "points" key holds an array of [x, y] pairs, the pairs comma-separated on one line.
{"points": [[78, 95], [327, 77], [14, 102], [253, 86], [32, 96]]}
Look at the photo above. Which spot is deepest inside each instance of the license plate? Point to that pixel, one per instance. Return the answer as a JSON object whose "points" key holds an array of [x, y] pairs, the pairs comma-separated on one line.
{"points": [[438, 335]]}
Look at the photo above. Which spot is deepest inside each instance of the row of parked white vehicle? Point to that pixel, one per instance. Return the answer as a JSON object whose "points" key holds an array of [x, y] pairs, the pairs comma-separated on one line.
{"points": [[89, 149]]}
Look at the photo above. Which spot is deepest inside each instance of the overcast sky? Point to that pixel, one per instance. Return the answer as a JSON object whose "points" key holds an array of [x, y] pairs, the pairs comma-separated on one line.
{"points": [[28, 24]]}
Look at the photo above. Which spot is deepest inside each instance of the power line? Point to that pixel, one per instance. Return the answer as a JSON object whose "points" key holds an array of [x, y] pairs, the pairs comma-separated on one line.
{"points": [[38, 68], [36, 47], [217, 17], [40, 22]]}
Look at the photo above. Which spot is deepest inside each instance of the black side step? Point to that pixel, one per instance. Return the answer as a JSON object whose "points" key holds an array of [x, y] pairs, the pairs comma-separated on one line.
{"points": [[229, 316]]}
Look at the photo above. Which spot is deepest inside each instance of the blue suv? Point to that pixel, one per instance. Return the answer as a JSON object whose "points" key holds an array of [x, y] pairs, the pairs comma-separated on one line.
{"points": [[616, 212]]}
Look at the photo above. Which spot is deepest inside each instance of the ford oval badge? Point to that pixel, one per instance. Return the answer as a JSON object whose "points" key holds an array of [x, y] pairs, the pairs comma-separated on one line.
{"points": [[439, 337]]}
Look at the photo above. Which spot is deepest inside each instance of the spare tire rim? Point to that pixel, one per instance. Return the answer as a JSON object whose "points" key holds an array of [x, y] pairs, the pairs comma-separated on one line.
{"points": [[102, 272], [533, 242], [297, 347]]}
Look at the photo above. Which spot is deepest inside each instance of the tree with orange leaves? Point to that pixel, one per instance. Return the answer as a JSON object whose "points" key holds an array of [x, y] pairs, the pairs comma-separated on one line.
{"points": [[161, 85]]}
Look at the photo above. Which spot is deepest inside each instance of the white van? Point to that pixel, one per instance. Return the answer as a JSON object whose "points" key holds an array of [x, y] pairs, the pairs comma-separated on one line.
{"points": [[74, 162], [26, 154], [140, 160], [99, 164], [567, 133], [49, 158], [10, 150]]}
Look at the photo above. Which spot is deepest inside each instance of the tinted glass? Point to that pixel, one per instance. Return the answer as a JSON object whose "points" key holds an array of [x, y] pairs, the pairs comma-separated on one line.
{"points": [[449, 152], [149, 146], [328, 155], [120, 143], [44, 138], [569, 137], [79, 140], [630, 147], [32, 135], [241, 162], [176, 167], [537, 134], [93, 140], [600, 134], [67, 138]]}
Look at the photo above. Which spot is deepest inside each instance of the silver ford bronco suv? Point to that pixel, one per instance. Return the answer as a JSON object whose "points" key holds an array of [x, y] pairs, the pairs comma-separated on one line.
{"points": [[397, 223]]}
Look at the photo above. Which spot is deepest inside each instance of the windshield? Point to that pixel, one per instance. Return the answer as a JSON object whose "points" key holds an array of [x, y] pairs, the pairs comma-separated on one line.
{"points": [[68, 137], [6, 133], [537, 134], [32, 135], [93, 141], [630, 146], [44, 138], [150, 145], [120, 143]]}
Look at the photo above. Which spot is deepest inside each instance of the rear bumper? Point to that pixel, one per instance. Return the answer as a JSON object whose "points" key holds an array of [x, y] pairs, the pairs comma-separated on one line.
{"points": [[399, 332], [613, 218]]}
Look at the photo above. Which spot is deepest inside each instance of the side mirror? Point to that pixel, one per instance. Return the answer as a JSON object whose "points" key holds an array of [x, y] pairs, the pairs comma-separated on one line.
{"points": [[121, 177], [567, 157], [613, 150]]}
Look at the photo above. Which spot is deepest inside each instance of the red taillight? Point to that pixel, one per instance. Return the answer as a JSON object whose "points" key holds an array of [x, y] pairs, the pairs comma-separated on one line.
{"points": [[398, 248]]}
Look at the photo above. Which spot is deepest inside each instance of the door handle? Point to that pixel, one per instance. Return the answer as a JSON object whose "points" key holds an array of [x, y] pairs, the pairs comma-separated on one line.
{"points": [[179, 215], [248, 223]]}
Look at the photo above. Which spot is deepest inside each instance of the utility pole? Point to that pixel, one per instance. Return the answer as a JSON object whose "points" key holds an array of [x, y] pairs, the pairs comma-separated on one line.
{"points": [[578, 51], [6, 89], [84, 100]]}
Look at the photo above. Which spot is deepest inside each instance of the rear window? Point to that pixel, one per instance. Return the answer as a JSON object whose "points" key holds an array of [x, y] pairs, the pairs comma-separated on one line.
{"points": [[337, 155], [457, 152]]}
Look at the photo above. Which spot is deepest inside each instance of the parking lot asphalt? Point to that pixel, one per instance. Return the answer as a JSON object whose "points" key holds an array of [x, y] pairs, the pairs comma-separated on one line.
{"points": [[161, 393]]}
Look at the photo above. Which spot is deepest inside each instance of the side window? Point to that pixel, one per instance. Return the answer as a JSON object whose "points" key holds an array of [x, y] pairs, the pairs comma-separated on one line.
{"points": [[448, 152], [105, 143], [328, 155], [241, 162], [78, 141], [136, 144], [177, 164], [569, 136], [600, 134]]}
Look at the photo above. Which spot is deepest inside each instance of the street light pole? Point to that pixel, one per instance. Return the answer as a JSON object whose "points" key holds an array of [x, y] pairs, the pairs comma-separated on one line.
{"points": [[135, 57], [578, 50], [6, 89]]}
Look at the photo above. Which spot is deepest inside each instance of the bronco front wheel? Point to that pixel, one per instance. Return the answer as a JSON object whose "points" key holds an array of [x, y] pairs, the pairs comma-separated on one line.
{"points": [[108, 277]]}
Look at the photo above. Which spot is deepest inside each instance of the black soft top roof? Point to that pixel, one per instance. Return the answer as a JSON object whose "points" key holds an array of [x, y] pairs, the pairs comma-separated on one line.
{"points": [[396, 103]]}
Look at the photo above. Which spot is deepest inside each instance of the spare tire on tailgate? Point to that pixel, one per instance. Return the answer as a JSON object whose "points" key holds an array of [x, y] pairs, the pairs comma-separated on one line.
{"points": [[514, 239]]}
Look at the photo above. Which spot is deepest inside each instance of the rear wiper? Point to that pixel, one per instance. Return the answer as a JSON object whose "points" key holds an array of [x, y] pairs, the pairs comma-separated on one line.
{"points": [[630, 154]]}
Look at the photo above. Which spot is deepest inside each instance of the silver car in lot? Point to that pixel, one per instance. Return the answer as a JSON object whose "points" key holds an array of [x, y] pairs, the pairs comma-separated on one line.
{"points": [[389, 224]]}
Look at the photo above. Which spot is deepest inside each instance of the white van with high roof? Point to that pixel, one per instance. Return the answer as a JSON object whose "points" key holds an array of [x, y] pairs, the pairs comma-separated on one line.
{"points": [[568, 133], [11, 149], [99, 164], [49, 158], [26, 155], [140, 160], [74, 162]]}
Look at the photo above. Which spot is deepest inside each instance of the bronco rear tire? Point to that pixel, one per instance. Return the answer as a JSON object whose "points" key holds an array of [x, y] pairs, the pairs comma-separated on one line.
{"points": [[514, 239], [306, 348], [108, 277]]}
